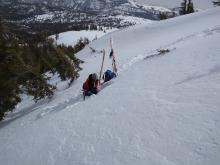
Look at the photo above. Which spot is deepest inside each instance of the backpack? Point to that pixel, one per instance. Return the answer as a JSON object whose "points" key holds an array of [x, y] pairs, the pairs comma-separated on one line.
{"points": [[108, 75]]}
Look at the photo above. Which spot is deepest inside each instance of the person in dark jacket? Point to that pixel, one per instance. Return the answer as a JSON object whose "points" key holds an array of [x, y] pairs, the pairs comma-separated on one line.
{"points": [[90, 86], [108, 75]]}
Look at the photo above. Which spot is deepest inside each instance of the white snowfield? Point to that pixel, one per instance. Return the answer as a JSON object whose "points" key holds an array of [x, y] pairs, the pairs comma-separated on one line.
{"points": [[160, 110], [72, 37]]}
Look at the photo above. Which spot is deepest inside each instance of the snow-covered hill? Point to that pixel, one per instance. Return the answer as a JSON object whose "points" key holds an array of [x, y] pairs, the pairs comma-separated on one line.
{"points": [[161, 109]]}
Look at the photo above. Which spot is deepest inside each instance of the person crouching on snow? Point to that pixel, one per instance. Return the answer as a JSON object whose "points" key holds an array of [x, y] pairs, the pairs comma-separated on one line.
{"points": [[90, 86]]}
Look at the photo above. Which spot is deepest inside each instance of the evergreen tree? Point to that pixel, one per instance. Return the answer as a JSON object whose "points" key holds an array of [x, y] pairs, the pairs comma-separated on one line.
{"points": [[25, 59], [162, 16], [57, 36], [216, 3], [186, 7], [190, 7], [183, 8]]}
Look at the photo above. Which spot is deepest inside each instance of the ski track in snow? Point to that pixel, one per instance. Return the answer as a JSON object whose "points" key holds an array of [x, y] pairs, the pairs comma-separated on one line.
{"points": [[214, 70], [204, 33], [61, 106], [24, 112], [68, 103]]}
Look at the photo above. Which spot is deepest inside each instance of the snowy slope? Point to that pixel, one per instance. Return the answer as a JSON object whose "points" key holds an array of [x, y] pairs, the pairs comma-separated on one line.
{"points": [[160, 110]]}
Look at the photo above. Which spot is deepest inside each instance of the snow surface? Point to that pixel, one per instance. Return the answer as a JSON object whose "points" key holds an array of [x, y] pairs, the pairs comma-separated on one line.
{"points": [[161, 109], [132, 20], [72, 37], [44, 17], [157, 8]]}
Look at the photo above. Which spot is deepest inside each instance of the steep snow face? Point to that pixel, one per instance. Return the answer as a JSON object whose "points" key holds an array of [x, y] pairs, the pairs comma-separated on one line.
{"points": [[161, 109]]}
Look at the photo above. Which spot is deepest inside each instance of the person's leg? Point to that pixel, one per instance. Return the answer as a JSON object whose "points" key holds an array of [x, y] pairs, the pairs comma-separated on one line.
{"points": [[94, 91], [88, 93]]}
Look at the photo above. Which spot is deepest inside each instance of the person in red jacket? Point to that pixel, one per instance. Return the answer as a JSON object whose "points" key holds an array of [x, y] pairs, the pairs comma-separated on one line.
{"points": [[90, 86]]}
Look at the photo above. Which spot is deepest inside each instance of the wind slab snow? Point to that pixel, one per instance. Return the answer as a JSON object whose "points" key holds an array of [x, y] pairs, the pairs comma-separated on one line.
{"points": [[161, 109]]}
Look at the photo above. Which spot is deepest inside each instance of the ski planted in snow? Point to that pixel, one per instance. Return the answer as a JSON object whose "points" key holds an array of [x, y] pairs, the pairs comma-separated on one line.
{"points": [[112, 56], [100, 74]]}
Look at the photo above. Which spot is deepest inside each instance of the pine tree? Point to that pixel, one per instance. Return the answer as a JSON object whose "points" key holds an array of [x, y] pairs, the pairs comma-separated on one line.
{"points": [[24, 62], [57, 36], [162, 16], [216, 3], [186, 7], [183, 8], [190, 7]]}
